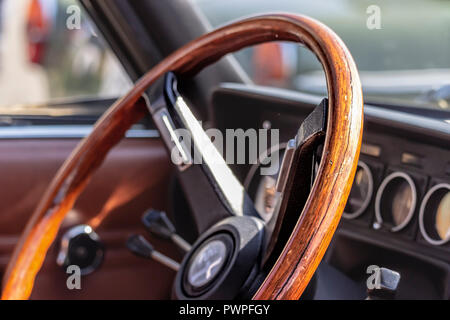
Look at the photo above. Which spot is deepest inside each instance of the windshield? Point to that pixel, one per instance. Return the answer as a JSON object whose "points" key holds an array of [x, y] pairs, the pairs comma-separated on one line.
{"points": [[401, 48]]}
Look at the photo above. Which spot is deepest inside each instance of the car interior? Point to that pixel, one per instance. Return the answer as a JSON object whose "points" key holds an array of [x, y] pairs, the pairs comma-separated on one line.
{"points": [[93, 94]]}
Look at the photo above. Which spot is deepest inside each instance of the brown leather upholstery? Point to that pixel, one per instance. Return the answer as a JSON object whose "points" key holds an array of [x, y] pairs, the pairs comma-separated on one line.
{"points": [[133, 178]]}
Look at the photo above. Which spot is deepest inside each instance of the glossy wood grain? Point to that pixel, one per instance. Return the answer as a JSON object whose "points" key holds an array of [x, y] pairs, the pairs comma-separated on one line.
{"points": [[312, 233]]}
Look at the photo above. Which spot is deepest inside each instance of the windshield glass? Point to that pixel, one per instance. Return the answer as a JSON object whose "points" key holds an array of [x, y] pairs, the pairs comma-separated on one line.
{"points": [[401, 48]]}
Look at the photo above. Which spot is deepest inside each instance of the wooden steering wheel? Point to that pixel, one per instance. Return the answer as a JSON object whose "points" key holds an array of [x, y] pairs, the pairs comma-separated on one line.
{"points": [[317, 218]]}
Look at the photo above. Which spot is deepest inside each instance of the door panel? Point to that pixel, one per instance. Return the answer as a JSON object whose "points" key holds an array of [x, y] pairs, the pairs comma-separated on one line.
{"points": [[133, 178]]}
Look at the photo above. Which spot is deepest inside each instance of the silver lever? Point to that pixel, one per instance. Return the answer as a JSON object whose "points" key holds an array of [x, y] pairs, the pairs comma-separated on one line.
{"points": [[159, 225], [142, 248]]}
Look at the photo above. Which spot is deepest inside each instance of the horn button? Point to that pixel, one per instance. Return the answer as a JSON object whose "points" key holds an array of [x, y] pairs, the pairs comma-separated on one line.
{"points": [[208, 261], [222, 261]]}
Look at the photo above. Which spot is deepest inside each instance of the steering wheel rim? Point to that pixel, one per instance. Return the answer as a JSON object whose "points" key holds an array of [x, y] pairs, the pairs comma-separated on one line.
{"points": [[325, 204]]}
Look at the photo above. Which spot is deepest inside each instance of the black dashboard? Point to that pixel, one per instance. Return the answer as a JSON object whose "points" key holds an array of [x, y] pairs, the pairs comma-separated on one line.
{"points": [[398, 211]]}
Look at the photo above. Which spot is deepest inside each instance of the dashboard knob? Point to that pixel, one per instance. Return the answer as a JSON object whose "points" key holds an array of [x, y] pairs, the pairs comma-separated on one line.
{"points": [[81, 246], [387, 284]]}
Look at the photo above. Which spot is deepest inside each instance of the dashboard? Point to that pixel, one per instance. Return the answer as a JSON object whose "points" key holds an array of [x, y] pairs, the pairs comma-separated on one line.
{"points": [[398, 212]]}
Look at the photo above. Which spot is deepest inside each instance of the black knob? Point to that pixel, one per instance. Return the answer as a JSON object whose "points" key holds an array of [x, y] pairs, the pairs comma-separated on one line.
{"points": [[142, 248], [158, 224], [81, 246]]}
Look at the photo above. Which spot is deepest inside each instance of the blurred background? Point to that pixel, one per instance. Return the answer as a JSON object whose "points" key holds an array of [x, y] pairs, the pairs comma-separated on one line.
{"points": [[50, 51], [401, 47]]}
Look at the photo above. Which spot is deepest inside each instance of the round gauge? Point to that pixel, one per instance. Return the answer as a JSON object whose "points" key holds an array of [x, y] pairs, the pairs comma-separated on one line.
{"points": [[434, 219], [262, 189], [265, 199], [396, 201], [361, 192]]}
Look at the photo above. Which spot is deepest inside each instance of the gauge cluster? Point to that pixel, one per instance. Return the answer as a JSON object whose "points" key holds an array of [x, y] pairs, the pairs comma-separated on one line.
{"points": [[401, 201], [397, 200]]}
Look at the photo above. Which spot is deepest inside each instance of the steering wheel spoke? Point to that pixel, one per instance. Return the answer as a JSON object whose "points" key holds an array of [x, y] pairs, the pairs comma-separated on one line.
{"points": [[212, 190], [295, 180]]}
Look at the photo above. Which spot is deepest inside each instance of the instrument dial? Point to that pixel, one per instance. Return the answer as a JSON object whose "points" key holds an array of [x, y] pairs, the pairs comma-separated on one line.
{"points": [[434, 220], [361, 192], [396, 201]]}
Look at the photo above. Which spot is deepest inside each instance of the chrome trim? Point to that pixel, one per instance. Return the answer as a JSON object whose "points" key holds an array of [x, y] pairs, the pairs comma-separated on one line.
{"points": [[64, 132], [286, 166], [254, 168], [181, 243], [165, 260], [175, 138], [366, 202], [65, 243], [173, 141], [422, 215], [389, 178], [224, 178]]}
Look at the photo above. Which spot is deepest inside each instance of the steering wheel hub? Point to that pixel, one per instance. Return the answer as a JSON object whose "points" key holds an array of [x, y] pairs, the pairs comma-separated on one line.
{"points": [[222, 261]]}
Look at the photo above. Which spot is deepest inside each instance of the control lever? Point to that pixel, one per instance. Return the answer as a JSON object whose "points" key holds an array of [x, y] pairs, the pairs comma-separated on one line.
{"points": [[386, 285], [158, 224], [142, 248]]}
